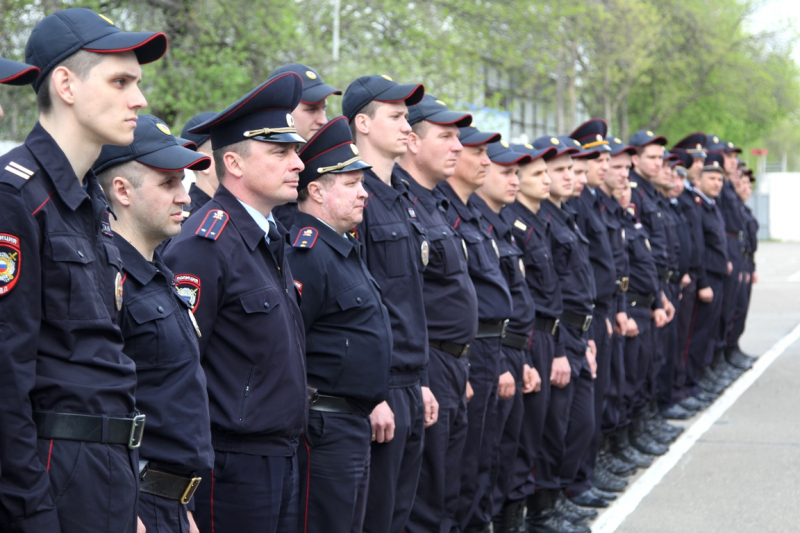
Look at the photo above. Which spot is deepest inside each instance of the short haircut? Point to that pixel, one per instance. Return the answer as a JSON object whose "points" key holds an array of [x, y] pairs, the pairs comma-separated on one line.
{"points": [[421, 128], [81, 63], [368, 110], [326, 179], [132, 170], [242, 148]]}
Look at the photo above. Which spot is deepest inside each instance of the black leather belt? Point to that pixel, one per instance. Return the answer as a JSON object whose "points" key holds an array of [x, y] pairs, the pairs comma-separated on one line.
{"points": [[623, 283], [331, 404], [640, 300], [548, 325], [733, 235], [513, 340], [453, 348], [90, 428], [575, 320], [486, 331], [664, 274], [166, 485]]}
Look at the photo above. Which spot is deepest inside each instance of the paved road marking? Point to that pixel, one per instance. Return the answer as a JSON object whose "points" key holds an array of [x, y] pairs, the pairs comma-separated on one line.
{"points": [[794, 278], [617, 512]]}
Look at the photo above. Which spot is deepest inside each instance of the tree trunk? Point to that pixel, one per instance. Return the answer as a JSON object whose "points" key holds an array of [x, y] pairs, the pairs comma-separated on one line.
{"points": [[624, 127], [560, 126]]}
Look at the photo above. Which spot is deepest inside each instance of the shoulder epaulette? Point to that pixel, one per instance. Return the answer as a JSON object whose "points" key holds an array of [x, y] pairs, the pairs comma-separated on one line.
{"points": [[306, 238], [18, 174], [520, 225], [213, 224]]}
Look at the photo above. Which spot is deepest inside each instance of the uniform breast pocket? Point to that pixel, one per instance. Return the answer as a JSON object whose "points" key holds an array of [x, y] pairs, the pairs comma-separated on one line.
{"points": [[157, 337], [70, 287], [392, 248], [540, 267], [261, 301], [478, 250], [563, 249], [452, 252], [353, 297]]}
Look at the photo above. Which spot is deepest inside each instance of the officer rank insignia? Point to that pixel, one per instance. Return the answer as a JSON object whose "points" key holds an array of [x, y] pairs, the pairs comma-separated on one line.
{"points": [[118, 282], [520, 225], [188, 288], [306, 238], [19, 170], [213, 224], [10, 258], [425, 253]]}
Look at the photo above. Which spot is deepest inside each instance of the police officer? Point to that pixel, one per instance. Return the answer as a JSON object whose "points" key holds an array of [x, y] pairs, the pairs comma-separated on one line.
{"points": [[348, 334], [694, 145], [451, 310], [229, 261], [396, 252], [63, 375], [206, 180], [494, 308], [737, 357], [143, 184], [309, 116]]}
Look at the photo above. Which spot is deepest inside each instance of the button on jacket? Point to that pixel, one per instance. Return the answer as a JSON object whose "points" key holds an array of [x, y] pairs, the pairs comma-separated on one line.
{"points": [[348, 334], [161, 339], [253, 343], [60, 346]]}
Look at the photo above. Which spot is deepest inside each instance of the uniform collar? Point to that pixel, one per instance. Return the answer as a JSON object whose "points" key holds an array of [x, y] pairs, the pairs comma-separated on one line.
{"points": [[648, 187], [386, 194], [52, 159], [418, 192], [464, 211], [497, 223], [199, 193], [549, 208], [611, 203], [704, 197], [261, 220], [341, 244], [250, 231], [589, 195], [134, 262]]}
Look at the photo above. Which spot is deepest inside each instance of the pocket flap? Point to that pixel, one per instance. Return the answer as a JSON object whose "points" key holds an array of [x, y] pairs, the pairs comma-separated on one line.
{"points": [[388, 232], [149, 308], [260, 301], [72, 249]]}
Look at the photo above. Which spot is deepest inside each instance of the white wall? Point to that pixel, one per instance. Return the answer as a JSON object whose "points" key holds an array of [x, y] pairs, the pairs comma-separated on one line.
{"points": [[784, 204]]}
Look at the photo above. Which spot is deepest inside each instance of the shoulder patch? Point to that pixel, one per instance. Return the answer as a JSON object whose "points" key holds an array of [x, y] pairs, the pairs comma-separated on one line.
{"points": [[520, 225], [188, 288], [213, 224], [306, 238], [10, 261], [17, 174]]}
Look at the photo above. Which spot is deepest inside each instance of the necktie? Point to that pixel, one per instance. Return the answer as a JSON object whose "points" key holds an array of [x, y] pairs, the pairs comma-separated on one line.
{"points": [[275, 243]]}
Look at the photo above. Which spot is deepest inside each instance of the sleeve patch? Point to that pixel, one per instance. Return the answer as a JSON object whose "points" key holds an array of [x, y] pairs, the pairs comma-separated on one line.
{"points": [[10, 262], [213, 224], [306, 238], [188, 287]]}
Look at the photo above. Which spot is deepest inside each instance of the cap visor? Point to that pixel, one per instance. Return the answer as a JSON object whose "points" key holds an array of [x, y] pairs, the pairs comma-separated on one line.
{"points": [[352, 167], [567, 151], [174, 158], [410, 94], [448, 118], [318, 93], [13, 73], [279, 138], [187, 143], [509, 157], [480, 137], [148, 46]]}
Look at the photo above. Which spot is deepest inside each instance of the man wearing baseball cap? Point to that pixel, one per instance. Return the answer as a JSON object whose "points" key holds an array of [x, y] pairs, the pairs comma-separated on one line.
{"points": [[206, 180], [68, 388], [143, 185]]}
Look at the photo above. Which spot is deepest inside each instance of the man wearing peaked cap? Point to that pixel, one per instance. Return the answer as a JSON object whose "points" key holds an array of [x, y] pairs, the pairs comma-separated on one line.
{"points": [[309, 115], [348, 333], [451, 314], [229, 261], [64, 376], [396, 254], [487, 378], [694, 145], [143, 185], [205, 181], [15, 73]]}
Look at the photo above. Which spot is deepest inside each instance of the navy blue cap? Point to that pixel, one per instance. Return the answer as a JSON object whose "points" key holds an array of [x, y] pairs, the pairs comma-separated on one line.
{"points": [[16, 73], [646, 137], [60, 35], [330, 150], [472, 136], [153, 146], [714, 163], [198, 138], [500, 152], [715, 144], [187, 143], [380, 89], [618, 147], [582, 153], [686, 159], [669, 156], [544, 142], [694, 143], [314, 89], [437, 112], [535, 153], [263, 114], [592, 136]]}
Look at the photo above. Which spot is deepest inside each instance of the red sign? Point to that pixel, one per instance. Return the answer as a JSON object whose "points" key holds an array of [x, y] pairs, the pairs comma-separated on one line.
{"points": [[759, 151]]}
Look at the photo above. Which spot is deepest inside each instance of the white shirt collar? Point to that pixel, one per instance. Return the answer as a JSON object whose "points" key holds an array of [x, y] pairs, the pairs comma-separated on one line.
{"points": [[261, 220]]}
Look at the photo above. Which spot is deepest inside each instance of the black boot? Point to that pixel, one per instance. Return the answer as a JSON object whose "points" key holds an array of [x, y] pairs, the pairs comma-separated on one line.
{"points": [[481, 528], [642, 441], [626, 452], [724, 371], [573, 512], [611, 463], [511, 518], [738, 360], [605, 480], [543, 518]]}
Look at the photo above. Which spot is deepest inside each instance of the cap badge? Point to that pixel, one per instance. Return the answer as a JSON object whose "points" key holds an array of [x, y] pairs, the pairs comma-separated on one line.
{"points": [[576, 143], [440, 102], [730, 145], [310, 75], [716, 163], [617, 141], [164, 129], [554, 140], [289, 120], [649, 133], [384, 76], [599, 137], [504, 144], [354, 148], [528, 146], [715, 139], [106, 19]]}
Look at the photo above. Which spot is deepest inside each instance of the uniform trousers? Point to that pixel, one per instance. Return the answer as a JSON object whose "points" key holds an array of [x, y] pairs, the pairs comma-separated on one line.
{"points": [[535, 412], [476, 463], [248, 494], [668, 339], [703, 330], [396, 463], [94, 486], [683, 384], [435, 504], [614, 414], [160, 515], [639, 359], [742, 308], [730, 291]]}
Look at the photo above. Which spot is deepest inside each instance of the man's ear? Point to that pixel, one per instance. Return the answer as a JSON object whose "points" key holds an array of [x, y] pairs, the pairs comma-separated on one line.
{"points": [[414, 143], [121, 191], [61, 83], [315, 193], [362, 122], [234, 164]]}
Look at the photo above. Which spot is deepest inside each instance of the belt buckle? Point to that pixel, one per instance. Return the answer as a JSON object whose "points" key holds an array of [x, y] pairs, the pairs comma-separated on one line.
{"points": [[504, 328], [624, 283], [555, 326], [587, 322], [137, 432], [189, 492]]}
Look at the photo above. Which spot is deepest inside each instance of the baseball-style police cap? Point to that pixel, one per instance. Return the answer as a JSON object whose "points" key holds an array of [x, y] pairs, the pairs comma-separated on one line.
{"points": [[153, 146], [187, 143], [714, 163], [380, 89], [314, 89], [669, 157], [472, 136], [592, 136], [535, 153], [646, 137], [581, 153], [500, 152], [16, 73], [619, 147], [686, 159], [562, 148], [693, 143], [331, 150], [435, 111], [60, 35], [198, 138], [715, 144], [263, 114]]}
